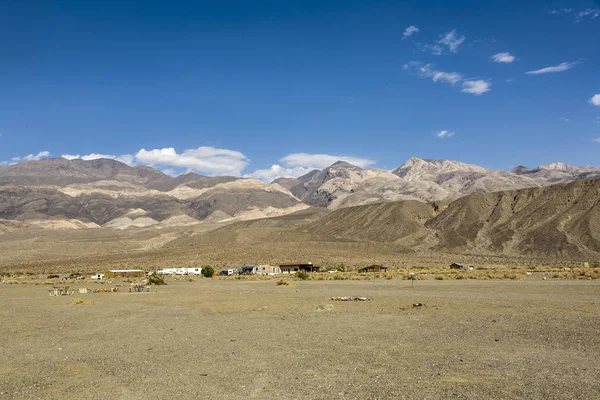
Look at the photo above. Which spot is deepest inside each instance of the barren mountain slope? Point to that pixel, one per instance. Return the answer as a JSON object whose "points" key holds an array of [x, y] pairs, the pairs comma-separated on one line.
{"points": [[241, 195], [62, 172], [344, 185], [557, 220], [385, 222]]}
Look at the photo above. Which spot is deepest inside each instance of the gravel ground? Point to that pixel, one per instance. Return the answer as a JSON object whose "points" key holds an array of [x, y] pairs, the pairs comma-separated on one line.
{"points": [[218, 339]]}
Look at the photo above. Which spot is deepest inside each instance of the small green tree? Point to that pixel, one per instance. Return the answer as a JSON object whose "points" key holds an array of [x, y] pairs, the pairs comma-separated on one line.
{"points": [[208, 271], [156, 279], [302, 275]]}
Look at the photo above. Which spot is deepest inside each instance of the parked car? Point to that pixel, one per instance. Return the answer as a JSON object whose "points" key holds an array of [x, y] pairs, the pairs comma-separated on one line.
{"points": [[228, 272]]}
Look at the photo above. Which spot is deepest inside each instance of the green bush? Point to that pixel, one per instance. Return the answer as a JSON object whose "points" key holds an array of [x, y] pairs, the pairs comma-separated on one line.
{"points": [[302, 275], [208, 271], [155, 279]]}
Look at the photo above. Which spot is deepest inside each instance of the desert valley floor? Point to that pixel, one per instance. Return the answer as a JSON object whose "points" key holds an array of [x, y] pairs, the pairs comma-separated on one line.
{"points": [[237, 339]]}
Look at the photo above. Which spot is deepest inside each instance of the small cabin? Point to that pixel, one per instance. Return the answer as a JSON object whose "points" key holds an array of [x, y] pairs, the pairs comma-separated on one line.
{"points": [[373, 268], [293, 267], [457, 266]]}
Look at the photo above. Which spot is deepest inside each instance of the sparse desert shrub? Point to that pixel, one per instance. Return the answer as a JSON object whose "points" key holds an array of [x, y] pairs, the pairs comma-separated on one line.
{"points": [[302, 275], [155, 279], [341, 267], [283, 282], [208, 271]]}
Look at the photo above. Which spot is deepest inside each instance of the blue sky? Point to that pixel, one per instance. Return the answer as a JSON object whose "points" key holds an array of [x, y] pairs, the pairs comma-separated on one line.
{"points": [[238, 87]]}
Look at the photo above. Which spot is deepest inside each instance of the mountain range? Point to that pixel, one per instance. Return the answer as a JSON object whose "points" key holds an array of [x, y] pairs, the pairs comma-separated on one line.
{"points": [[60, 193]]}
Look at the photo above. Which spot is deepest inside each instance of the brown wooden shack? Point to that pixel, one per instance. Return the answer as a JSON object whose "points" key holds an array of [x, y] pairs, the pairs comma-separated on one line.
{"points": [[373, 268]]}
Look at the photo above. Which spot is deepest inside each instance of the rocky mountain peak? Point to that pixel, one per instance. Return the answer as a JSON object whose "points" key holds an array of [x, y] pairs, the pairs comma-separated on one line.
{"points": [[421, 168], [343, 164]]}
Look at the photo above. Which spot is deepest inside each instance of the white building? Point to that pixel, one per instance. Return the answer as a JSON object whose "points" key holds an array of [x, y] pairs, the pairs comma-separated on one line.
{"points": [[180, 271], [97, 276]]}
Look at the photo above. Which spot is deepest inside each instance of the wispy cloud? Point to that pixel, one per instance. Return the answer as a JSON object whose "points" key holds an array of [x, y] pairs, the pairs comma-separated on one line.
{"points": [[557, 68], [595, 100], [561, 11], [471, 86], [590, 12], [32, 157], [444, 134], [476, 87], [452, 40], [563, 119], [428, 71], [434, 49], [411, 30], [503, 58], [596, 140]]}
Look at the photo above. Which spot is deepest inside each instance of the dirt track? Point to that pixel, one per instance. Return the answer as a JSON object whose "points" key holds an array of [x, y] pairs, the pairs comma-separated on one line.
{"points": [[215, 339]]}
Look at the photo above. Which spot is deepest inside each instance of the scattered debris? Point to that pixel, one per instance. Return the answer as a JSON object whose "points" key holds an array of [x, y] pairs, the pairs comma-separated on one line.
{"points": [[418, 305], [345, 298], [327, 307], [60, 291]]}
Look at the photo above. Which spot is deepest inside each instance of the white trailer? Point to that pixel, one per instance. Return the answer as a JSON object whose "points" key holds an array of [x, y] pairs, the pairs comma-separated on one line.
{"points": [[193, 271], [97, 277], [189, 271], [167, 271]]}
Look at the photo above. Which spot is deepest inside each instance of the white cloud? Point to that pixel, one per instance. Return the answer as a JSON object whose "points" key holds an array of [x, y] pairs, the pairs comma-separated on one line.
{"points": [[410, 31], [207, 160], [452, 40], [125, 158], [563, 119], [596, 140], [595, 100], [557, 68], [32, 157], [503, 58], [470, 86], [561, 11], [320, 161], [590, 12], [448, 77], [434, 49], [277, 171], [476, 87], [444, 134], [298, 164], [428, 71]]}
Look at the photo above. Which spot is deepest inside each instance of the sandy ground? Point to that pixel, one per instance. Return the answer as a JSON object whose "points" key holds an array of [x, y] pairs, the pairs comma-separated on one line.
{"points": [[228, 339]]}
